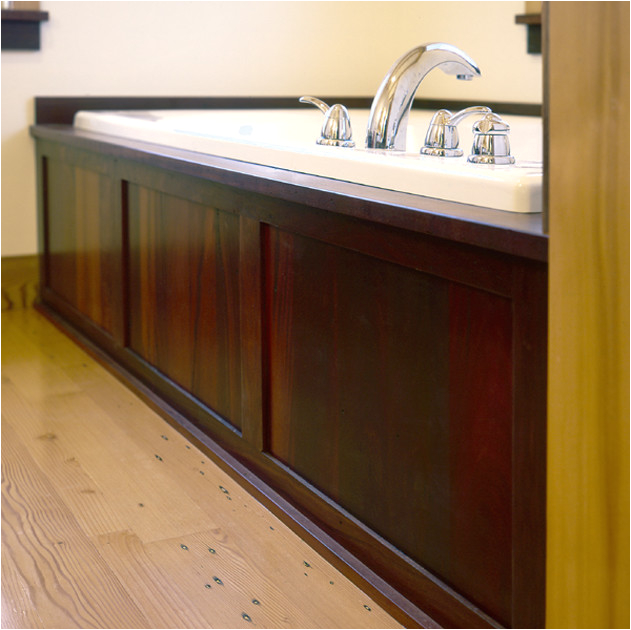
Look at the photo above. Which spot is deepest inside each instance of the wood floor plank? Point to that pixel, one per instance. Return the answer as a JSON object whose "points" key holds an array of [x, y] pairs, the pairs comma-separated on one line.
{"points": [[128, 490], [63, 468], [230, 509], [70, 585], [242, 590], [18, 604], [276, 562], [71, 430], [257, 548], [161, 598], [249, 523]]}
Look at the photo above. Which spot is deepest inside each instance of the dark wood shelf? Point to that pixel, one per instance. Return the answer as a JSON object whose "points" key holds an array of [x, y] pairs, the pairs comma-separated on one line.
{"points": [[20, 29], [533, 24], [14, 15], [528, 18]]}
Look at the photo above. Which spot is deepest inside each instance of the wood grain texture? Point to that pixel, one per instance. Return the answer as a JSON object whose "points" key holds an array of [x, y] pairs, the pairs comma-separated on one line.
{"points": [[18, 607], [481, 479], [71, 586], [588, 456], [530, 327], [84, 242], [357, 345], [250, 333], [184, 316], [99, 532]]}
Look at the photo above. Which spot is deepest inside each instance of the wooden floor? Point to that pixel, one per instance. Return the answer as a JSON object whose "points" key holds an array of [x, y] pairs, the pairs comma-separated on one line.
{"points": [[112, 519]]}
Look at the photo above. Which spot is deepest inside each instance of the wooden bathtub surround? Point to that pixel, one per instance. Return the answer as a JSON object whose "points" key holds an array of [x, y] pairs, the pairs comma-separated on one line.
{"points": [[377, 360], [111, 518]]}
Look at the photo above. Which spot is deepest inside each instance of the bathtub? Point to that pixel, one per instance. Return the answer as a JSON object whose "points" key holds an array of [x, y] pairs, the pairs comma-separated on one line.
{"points": [[286, 139]]}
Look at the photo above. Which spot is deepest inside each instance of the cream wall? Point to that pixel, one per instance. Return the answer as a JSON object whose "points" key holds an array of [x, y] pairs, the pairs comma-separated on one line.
{"points": [[241, 49]]}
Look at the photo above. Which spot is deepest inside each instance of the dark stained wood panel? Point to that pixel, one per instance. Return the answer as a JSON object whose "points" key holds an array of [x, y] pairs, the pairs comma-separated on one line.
{"points": [[84, 243], [184, 296], [390, 391], [480, 447]]}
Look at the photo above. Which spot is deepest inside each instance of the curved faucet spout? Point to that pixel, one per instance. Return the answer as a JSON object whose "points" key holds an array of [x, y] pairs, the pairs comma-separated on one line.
{"points": [[388, 120]]}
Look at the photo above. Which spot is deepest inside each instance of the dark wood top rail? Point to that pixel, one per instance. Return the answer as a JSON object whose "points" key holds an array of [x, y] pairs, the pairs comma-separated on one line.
{"points": [[507, 232], [61, 110]]}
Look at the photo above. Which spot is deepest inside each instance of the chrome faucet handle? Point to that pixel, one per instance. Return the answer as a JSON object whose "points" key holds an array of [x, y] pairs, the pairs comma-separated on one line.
{"points": [[442, 137], [490, 141], [336, 128], [321, 105]]}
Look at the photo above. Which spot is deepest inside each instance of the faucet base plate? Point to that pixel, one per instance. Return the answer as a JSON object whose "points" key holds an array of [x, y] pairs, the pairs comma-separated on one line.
{"points": [[441, 152], [329, 142], [491, 159]]}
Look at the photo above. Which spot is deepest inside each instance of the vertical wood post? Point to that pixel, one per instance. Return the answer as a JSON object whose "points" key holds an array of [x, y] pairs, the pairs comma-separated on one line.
{"points": [[588, 408]]}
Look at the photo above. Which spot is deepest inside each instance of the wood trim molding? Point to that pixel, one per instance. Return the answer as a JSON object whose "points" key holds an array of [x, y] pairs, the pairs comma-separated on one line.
{"points": [[20, 281], [61, 110]]}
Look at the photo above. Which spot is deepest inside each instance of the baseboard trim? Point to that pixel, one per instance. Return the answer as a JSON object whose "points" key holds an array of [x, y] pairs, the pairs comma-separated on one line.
{"points": [[20, 281]]}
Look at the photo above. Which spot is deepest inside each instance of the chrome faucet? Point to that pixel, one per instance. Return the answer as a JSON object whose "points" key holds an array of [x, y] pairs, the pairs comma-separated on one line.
{"points": [[388, 120]]}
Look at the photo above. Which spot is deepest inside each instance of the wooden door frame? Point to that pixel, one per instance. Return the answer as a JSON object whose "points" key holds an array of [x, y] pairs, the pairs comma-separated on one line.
{"points": [[586, 97]]}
